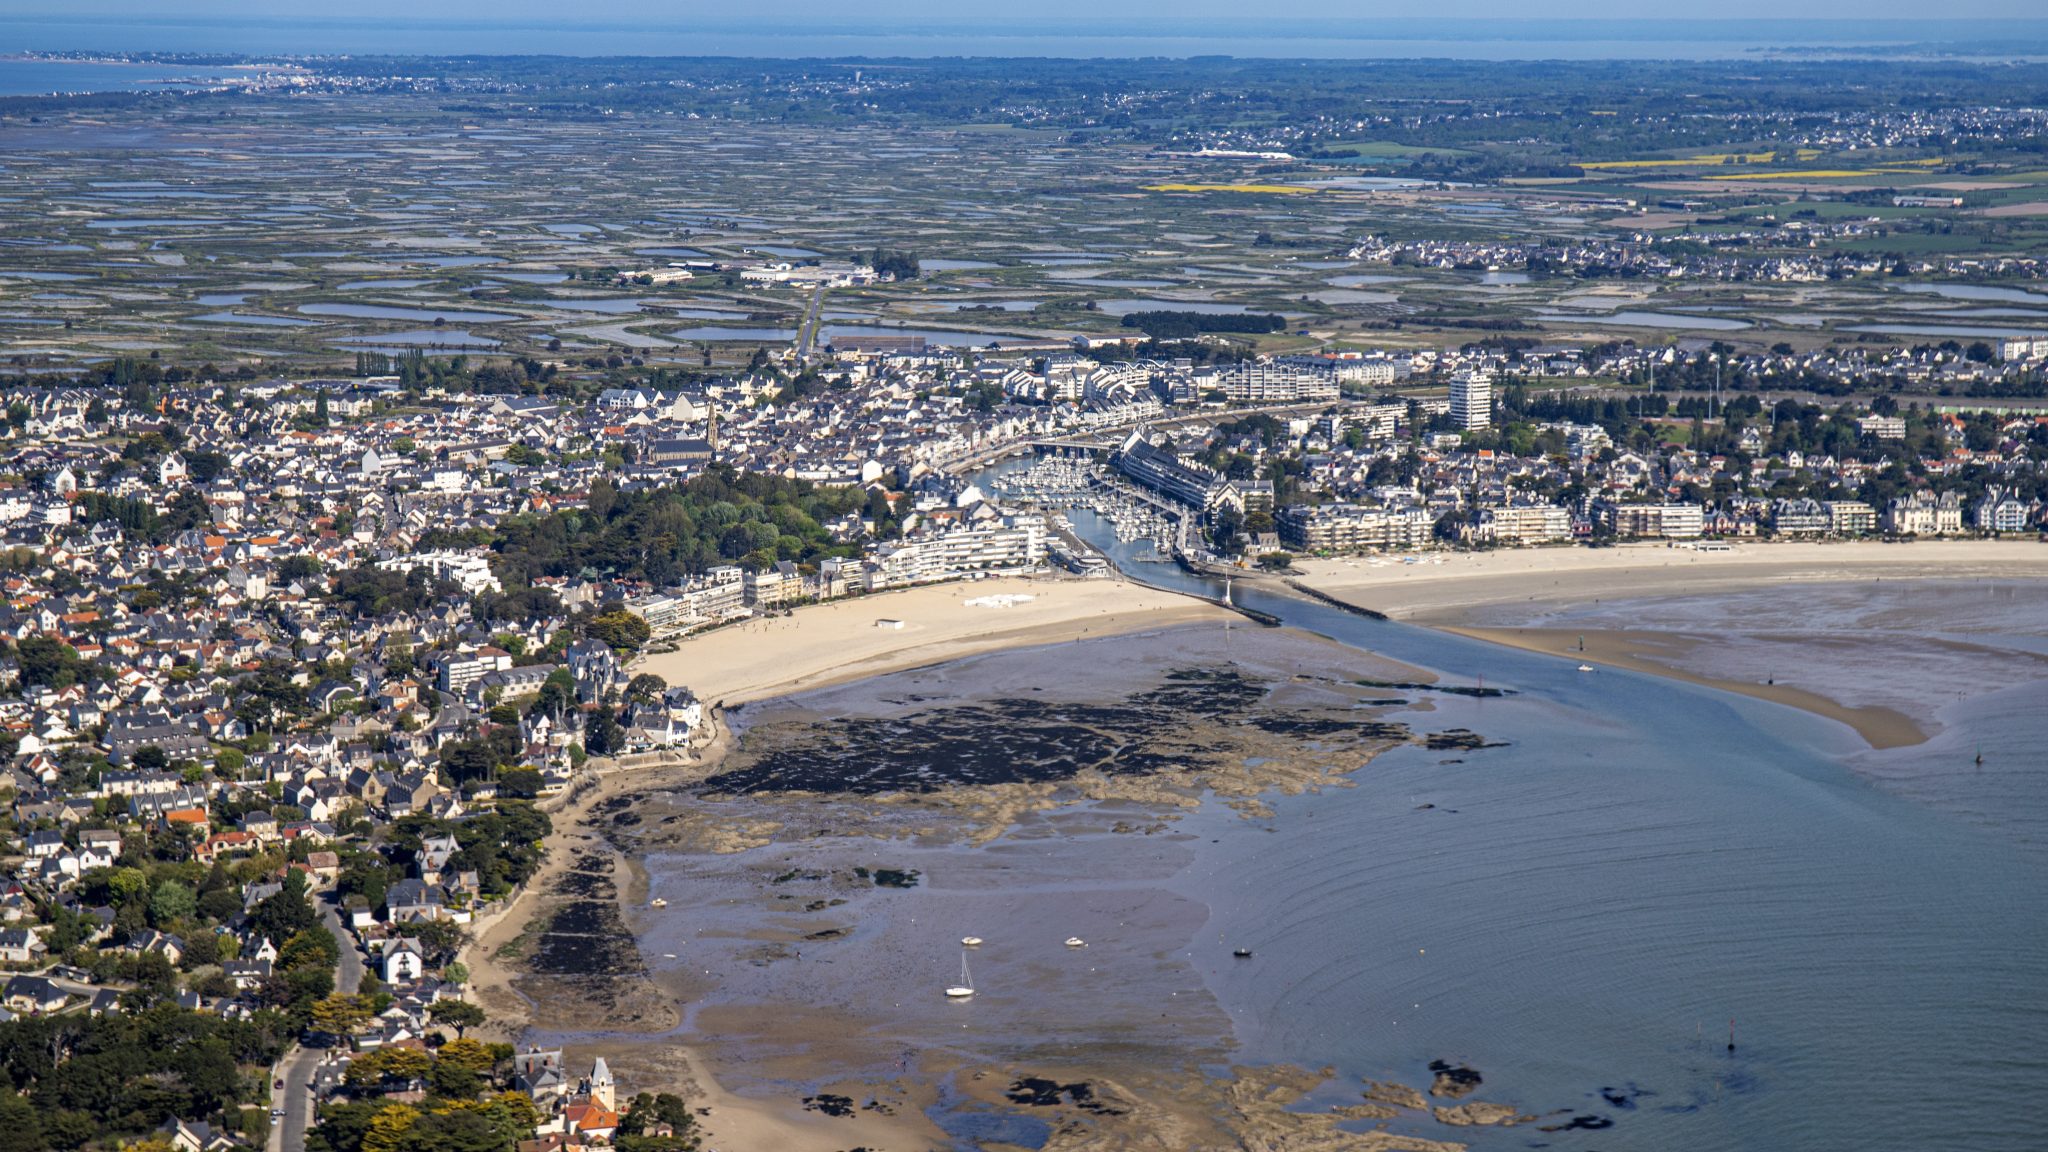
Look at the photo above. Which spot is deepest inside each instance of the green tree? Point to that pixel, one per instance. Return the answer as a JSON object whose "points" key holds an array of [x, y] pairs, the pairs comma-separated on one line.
{"points": [[21, 1129], [620, 629], [287, 913], [457, 1130], [646, 687], [602, 735], [49, 662], [171, 903], [460, 1015], [339, 1014]]}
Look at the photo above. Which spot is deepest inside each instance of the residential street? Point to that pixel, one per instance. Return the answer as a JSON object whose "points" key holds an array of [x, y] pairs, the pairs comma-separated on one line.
{"points": [[288, 1132]]}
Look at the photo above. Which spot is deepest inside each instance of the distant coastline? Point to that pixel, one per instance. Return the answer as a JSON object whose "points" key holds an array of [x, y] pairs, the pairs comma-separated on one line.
{"points": [[975, 36]]}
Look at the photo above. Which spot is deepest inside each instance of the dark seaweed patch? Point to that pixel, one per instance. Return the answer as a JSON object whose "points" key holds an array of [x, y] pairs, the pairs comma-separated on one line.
{"points": [[1458, 738], [584, 939], [1453, 1080], [829, 1104], [1022, 740], [1447, 689], [1586, 1123], [1040, 1092], [1290, 724], [1624, 1097]]}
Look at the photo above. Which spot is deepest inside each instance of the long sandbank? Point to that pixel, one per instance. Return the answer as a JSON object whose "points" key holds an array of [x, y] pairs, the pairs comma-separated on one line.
{"points": [[1448, 590], [1442, 587], [825, 644]]}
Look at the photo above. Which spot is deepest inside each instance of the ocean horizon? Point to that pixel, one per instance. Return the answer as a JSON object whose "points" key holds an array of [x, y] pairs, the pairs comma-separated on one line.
{"points": [[1408, 38]]}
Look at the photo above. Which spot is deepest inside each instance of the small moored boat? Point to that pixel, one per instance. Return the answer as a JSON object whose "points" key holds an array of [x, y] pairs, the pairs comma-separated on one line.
{"points": [[1243, 953], [657, 902], [1585, 667], [1076, 942], [965, 987]]}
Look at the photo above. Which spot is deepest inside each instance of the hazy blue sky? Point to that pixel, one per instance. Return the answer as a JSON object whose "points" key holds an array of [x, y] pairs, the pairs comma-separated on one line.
{"points": [[1166, 11]]}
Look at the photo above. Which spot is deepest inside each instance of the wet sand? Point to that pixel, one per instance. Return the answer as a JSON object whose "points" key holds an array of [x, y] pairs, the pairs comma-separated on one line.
{"points": [[807, 648], [640, 1048], [1444, 585], [1509, 596], [1664, 654], [782, 970]]}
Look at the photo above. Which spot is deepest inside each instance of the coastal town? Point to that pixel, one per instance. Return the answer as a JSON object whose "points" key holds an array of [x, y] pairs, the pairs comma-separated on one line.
{"points": [[405, 460], [296, 666]]}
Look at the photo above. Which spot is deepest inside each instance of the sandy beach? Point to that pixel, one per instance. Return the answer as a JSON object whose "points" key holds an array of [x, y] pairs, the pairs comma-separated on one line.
{"points": [[824, 644], [1664, 654], [1439, 588], [1474, 593]]}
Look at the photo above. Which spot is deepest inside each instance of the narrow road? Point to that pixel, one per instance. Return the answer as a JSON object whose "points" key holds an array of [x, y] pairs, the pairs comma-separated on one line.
{"points": [[807, 336], [288, 1132]]}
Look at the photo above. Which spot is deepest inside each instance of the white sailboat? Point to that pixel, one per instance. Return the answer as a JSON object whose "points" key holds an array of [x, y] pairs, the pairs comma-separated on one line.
{"points": [[965, 987]]}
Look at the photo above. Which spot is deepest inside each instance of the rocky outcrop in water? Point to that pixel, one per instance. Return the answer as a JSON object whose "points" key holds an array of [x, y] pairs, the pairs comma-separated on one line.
{"points": [[1477, 1113], [1399, 1095], [1452, 1080]]}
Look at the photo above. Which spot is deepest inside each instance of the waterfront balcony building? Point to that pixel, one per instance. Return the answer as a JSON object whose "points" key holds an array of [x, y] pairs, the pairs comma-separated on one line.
{"points": [[1657, 521], [1525, 524], [1354, 527], [1851, 517]]}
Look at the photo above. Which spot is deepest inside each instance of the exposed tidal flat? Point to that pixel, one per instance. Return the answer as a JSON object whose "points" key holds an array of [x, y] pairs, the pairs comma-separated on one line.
{"points": [[1947, 679], [1576, 913], [819, 878]]}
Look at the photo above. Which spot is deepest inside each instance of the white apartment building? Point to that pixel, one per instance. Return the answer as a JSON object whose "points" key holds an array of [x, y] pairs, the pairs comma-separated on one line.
{"points": [[2000, 511], [721, 592], [1371, 373], [1352, 527], [943, 555], [1472, 399], [1851, 517], [1664, 521], [1525, 524], [1272, 382], [2023, 348], [471, 571]]}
